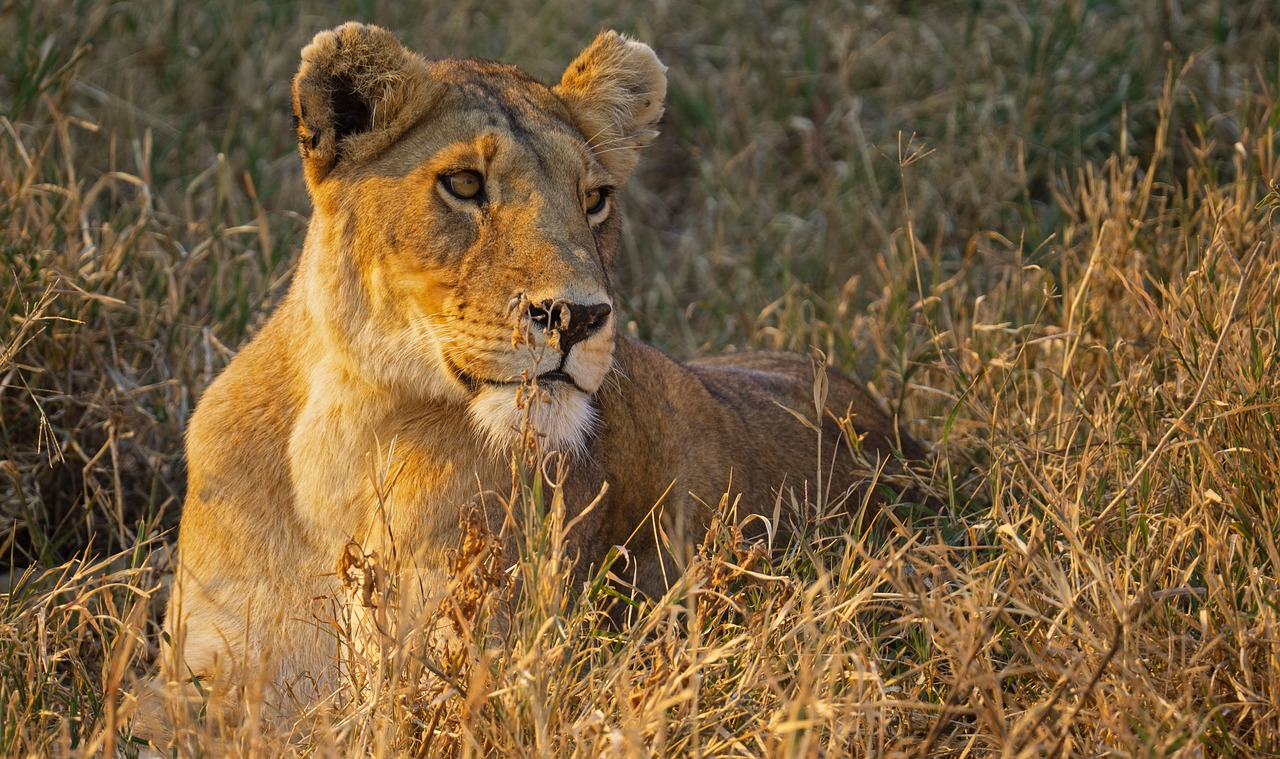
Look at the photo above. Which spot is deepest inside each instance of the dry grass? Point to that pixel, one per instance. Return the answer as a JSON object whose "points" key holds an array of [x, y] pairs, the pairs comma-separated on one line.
{"points": [[1046, 233]]}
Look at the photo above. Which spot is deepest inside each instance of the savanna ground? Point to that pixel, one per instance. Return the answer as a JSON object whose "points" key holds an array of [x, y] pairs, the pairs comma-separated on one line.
{"points": [[1045, 232]]}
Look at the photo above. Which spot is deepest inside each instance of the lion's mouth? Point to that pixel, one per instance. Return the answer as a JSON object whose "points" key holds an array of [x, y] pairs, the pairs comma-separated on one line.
{"points": [[556, 377], [545, 379]]}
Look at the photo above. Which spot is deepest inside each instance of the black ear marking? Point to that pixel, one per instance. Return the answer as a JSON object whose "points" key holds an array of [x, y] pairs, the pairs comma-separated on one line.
{"points": [[308, 138], [351, 112]]}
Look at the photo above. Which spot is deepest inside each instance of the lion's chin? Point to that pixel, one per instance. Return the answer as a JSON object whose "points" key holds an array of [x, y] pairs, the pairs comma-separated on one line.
{"points": [[561, 416]]}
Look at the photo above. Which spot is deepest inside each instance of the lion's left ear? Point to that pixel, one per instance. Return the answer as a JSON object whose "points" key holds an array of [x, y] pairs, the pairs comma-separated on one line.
{"points": [[615, 90], [356, 91]]}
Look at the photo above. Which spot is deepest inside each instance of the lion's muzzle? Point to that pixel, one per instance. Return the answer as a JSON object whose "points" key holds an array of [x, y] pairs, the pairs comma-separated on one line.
{"points": [[563, 347], [567, 323]]}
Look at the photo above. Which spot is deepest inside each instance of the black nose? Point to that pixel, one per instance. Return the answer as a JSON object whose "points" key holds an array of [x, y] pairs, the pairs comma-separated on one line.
{"points": [[568, 324]]}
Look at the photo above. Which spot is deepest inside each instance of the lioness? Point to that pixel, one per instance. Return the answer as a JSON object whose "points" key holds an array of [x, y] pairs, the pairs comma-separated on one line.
{"points": [[456, 284]]}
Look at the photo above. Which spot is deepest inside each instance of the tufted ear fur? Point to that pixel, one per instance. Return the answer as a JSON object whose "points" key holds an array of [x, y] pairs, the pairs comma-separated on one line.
{"points": [[615, 90], [356, 91]]}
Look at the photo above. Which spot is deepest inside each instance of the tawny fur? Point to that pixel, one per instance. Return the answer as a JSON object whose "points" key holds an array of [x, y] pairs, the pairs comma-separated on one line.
{"points": [[394, 350]]}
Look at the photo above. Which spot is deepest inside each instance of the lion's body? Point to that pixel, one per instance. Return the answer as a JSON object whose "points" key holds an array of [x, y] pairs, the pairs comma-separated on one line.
{"points": [[418, 315]]}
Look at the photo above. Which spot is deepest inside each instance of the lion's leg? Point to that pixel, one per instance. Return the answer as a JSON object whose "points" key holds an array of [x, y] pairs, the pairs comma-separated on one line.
{"points": [[235, 651]]}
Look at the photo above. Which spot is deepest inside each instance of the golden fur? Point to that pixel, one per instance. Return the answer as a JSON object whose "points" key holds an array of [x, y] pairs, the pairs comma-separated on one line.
{"points": [[413, 326]]}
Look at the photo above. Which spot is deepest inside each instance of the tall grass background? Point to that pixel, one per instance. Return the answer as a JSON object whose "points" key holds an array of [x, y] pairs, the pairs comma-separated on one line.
{"points": [[1044, 232]]}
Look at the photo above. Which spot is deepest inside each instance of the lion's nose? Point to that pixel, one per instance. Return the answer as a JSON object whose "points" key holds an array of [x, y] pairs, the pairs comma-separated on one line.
{"points": [[568, 324]]}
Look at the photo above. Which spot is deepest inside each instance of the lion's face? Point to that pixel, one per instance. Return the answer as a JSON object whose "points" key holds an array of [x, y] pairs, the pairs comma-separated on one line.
{"points": [[465, 222], [487, 243]]}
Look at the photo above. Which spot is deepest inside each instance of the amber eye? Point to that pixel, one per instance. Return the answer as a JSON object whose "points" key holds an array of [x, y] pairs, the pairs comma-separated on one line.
{"points": [[595, 200], [464, 185]]}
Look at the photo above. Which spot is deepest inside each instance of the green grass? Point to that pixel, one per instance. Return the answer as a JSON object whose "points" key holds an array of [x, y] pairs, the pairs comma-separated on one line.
{"points": [[1044, 232]]}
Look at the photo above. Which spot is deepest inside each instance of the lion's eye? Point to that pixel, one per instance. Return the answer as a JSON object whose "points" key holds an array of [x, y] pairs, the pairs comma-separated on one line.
{"points": [[464, 185], [595, 200]]}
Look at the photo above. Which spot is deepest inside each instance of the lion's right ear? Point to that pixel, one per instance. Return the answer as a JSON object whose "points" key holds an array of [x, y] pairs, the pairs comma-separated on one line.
{"points": [[615, 91], [356, 91]]}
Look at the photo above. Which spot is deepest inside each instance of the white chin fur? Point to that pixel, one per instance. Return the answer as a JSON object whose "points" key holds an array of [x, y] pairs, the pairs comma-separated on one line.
{"points": [[562, 416]]}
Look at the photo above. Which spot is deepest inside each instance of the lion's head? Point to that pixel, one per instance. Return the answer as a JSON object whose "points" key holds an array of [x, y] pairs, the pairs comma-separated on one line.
{"points": [[465, 220]]}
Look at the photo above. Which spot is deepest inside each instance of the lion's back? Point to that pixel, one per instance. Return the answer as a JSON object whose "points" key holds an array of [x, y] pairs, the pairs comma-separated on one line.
{"points": [[770, 385]]}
